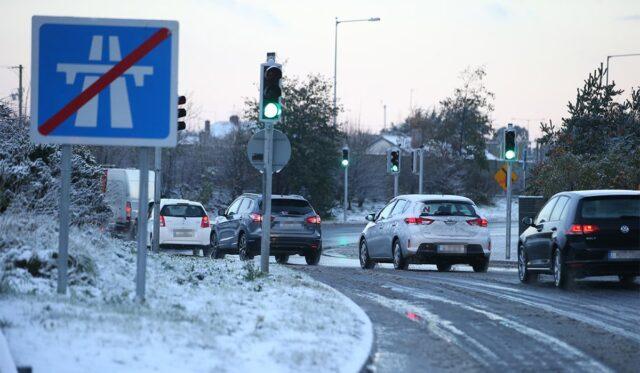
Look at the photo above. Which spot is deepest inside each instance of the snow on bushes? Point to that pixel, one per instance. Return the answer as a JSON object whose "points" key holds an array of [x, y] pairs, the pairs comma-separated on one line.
{"points": [[30, 177]]}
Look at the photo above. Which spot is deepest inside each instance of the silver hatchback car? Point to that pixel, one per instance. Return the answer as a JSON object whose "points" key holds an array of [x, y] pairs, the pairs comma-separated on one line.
{"points": [[426, 229]]}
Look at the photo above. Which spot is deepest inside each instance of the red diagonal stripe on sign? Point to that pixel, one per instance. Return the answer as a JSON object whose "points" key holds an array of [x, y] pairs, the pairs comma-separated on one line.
{"points": [[106, 79]]}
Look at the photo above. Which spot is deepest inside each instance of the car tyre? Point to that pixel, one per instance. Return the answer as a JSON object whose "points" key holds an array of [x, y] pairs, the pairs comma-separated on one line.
{"points": [[443, 267], [399, 262], [562, 278], [365, 260], [524, 274], [282, 259], [216, 252], [481, 266], [627, 279], [243, 249], [313, 259]]}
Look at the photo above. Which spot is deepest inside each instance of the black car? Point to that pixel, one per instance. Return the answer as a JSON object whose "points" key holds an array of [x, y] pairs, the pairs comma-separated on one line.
{"points": [[295, 229], [583, 233]]}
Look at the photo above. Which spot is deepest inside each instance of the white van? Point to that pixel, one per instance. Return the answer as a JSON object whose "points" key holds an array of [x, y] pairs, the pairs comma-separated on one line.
{"points": [[121, 187]]}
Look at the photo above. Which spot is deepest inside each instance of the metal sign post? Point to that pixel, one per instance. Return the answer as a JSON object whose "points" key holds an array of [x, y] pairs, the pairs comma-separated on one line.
{"points": [[63, 236], [508, 243], [143, 203], [156, 200], [266, 199], [395, 184], [346, 193]]}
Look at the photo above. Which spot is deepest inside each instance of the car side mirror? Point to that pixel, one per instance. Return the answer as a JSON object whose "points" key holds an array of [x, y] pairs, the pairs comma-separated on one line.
{"points": [[370, 217], [222, 211], [528, 221]]}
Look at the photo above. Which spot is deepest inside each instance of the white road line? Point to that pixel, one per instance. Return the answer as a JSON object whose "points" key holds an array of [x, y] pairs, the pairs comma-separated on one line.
{"points": [[442, 328], [573, 314], [581, 359]]}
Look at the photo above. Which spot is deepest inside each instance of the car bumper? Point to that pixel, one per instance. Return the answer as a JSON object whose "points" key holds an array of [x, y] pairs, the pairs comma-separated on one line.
{"points": [[427, 253], [584, 268], [201, 238], [287, 245]]}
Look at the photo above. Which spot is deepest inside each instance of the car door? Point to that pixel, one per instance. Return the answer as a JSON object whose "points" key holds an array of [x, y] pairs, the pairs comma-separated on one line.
{"points": [[552, 227], [376, 236], [391, 228], [539, 236], [226, 232]]}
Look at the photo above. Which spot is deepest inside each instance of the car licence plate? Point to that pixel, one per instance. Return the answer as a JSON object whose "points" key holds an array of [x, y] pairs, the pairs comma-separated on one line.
{"points": [[284, 225], [182, 233], [451, 249], [624, 254]]}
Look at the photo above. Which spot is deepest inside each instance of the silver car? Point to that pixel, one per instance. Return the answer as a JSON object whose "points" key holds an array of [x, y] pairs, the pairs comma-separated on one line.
{"points": [[426, 229]]}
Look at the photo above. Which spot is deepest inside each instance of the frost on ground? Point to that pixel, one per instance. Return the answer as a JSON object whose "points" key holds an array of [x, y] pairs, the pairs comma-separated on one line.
{"points": [[200, 315]]}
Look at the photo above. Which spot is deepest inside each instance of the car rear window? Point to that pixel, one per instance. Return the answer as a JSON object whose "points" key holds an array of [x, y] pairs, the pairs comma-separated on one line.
{"points": [[611, 207], [447, 208], [182, 211], [282, 206]]}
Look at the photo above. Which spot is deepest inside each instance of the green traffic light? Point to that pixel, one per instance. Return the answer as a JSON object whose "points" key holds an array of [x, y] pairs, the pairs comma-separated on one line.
{"points": [[345, 162], [271, 110], [510, 154], [394, 168]]}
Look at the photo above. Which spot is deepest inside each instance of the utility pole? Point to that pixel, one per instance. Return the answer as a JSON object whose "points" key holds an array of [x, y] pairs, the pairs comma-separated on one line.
{"points": [[384, 109], [20, 93], [421, 177]]}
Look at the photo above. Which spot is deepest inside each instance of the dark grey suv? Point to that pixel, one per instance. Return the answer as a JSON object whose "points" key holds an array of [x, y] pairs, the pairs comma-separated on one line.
{"points": [[295, 229]]}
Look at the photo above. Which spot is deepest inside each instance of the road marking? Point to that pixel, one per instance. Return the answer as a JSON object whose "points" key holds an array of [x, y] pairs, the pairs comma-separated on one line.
{"points": [[573, 314], [581, 359], [444, 329]]}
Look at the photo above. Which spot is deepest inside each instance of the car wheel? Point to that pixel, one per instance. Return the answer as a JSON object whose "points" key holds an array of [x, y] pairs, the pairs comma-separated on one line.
{"points": [[216, 253], [282, 259], [626, 279], [524, 274], [561, 276], [443, 267], [314, 258], [482, 266], [365, 260], [243, 250], [399, 262]]}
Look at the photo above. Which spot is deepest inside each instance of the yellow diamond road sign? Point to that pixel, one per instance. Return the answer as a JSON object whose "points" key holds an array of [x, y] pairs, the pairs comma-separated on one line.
{"points": [[501, 177]]}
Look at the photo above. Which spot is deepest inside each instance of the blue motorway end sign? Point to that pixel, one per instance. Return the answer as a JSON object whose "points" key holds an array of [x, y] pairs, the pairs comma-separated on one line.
{"points": [[104, 81]]}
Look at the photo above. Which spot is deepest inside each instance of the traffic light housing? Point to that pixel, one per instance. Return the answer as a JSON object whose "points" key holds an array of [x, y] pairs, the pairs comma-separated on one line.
{"points": [[270, 91], [182, 113], [345, 157], [510, 151], [393, 161]]}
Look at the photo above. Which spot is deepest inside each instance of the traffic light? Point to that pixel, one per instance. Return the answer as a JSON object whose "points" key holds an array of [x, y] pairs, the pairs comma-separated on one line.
{"points": [[393, 161], [270, 91], [345, 157], [182, 112], [510, 151]]}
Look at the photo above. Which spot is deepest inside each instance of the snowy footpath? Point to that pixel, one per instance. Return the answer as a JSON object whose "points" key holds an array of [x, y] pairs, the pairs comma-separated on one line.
{"points": [[201, 315]]}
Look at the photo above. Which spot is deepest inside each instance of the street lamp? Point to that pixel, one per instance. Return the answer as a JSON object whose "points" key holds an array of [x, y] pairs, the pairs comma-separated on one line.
{"points": [[613, 56], [335, 62]]}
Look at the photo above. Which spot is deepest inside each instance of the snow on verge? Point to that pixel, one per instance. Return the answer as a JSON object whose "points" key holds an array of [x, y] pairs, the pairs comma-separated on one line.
{"points": [[201, 315]]}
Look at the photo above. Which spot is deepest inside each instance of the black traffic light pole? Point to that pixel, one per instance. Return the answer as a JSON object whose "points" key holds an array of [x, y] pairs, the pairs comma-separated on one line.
{"points": [[509, 137]]}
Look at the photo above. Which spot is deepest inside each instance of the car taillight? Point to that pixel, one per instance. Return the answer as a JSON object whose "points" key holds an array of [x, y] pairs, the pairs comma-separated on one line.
{"points": [[313, 219], [418, 220], [205, 222], [583, 229], [480, 222], [162, 223], [127, 210]]}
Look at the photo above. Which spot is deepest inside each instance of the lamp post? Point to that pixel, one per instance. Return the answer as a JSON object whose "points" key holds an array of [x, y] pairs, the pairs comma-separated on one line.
{"points": [[335, 62], [615, 56]]}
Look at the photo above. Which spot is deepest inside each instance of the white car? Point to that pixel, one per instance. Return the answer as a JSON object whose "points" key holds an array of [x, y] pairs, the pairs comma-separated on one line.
{"points": [[183, 225], [426, 229]]}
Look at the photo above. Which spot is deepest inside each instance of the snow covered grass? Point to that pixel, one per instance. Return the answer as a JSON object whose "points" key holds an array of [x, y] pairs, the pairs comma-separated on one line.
{"points": [[356, 214], [200, 315], [498, 211]]}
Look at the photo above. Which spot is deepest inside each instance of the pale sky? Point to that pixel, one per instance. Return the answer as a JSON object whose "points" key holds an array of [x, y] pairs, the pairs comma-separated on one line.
{"points": [[536, 53]]}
